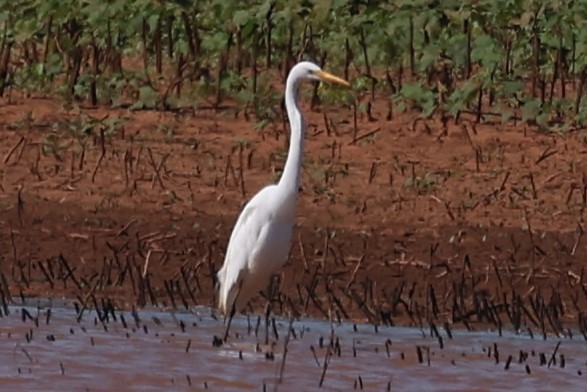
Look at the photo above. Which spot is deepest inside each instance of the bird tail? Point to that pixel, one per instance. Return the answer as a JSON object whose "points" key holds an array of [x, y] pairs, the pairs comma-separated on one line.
{"points": [[225, 290], [222, 292], [229, 290]]}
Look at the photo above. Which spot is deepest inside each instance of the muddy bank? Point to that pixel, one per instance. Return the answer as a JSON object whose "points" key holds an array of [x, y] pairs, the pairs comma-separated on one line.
{"points": [[473, 227], [464, 275]]}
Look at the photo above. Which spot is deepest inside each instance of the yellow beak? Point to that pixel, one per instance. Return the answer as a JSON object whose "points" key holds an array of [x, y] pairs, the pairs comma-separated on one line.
{"points": [[327, 77]]}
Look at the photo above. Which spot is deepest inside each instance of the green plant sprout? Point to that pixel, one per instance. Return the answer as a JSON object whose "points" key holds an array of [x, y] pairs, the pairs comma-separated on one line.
{"points": [[517, 60]]}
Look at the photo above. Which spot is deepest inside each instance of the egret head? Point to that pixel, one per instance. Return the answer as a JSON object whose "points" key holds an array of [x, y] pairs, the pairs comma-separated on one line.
{"points": [[310, 71]]}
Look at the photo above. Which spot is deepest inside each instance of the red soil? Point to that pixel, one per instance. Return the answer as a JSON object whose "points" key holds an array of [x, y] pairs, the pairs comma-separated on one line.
{"points": [[370, 239]]}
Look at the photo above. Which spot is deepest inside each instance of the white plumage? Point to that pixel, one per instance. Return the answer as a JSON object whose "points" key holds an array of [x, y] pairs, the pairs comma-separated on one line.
{"points": [[260, 241]]}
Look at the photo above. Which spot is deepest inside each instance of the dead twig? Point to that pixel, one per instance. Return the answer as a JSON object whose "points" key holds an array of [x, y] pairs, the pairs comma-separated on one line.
{"points": [[157, 168], [13, 149], [146, 266], [102, 155], [366, 135]]}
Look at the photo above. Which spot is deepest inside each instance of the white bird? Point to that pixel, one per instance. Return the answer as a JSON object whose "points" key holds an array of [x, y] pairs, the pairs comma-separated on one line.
{"points": [[260, 241]]}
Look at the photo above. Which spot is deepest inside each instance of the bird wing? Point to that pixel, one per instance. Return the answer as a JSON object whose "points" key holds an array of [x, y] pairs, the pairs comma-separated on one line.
{"points": [[247, 238]]}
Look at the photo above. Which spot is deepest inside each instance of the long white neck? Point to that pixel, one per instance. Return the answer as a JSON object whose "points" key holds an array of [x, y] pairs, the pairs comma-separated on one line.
{"points": [[291, 173]]}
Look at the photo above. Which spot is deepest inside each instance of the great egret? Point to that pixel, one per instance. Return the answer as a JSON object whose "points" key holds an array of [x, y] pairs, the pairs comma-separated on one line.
{"points": [[260, 241]]}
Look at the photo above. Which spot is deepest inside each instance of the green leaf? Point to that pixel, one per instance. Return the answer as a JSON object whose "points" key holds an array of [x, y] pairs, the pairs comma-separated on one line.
{"points": [[147, 99], [512, 88], [241, 17], [506, 116], [531, 109]]}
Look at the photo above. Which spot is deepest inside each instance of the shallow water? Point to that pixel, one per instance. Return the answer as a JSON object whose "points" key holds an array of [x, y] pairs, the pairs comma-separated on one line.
{"points": [[155, 353]]}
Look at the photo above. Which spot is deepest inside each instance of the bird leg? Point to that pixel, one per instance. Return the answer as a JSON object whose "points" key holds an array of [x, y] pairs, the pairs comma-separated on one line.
{"points": [[232, 311], [268, 307], [267, 313]]}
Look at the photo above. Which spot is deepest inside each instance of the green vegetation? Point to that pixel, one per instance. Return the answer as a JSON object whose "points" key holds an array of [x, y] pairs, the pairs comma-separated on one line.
{"points": [[422, 185], [515, 60]]}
